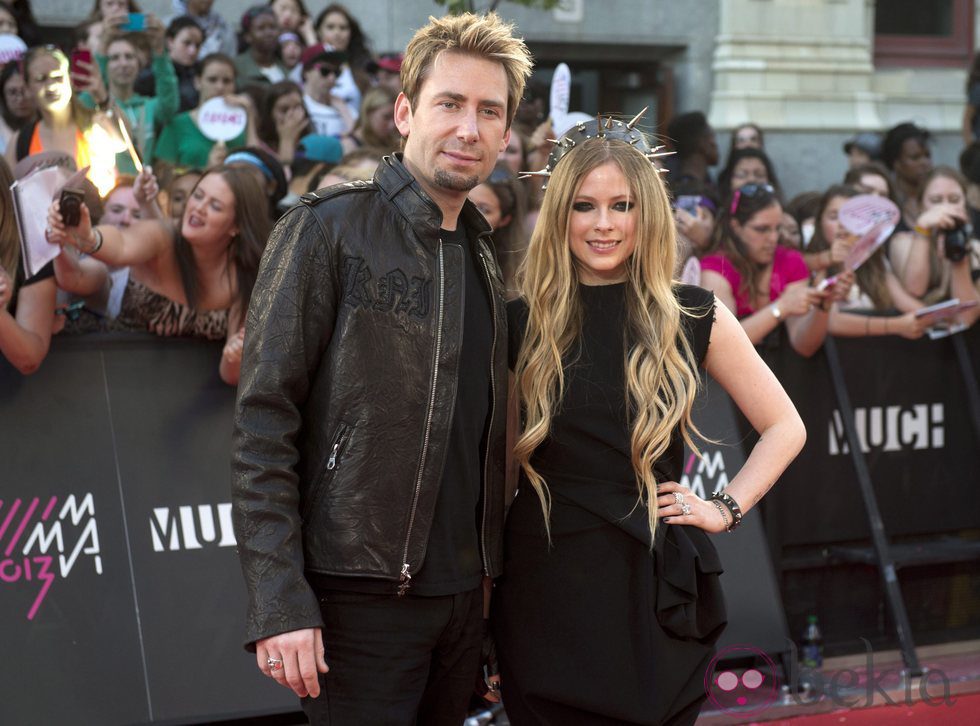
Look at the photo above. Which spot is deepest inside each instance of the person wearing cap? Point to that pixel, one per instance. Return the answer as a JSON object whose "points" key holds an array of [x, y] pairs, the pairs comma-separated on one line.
{"points": [[862, 148], [386, 70], [368, 453], [330, 114]]}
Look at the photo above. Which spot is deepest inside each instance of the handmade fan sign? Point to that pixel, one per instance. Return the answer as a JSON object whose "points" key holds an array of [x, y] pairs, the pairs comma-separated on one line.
{"points": [[561, 91], [220, 120], [873, 219], [12, 48]]}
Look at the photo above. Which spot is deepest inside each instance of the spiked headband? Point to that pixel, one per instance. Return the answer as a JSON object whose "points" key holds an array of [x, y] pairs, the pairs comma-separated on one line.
{"points": [[600, 128]]}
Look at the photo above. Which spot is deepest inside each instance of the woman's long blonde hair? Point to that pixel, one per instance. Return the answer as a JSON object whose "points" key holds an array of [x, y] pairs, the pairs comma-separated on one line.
{"points": [[661, 378]]}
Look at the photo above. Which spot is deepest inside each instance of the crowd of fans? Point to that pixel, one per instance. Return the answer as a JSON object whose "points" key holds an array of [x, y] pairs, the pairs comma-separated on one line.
{"points": [[766, 256], [174, 222]]}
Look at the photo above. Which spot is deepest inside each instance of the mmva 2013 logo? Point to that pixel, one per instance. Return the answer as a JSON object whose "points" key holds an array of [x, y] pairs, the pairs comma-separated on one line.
{"points": [[26, 555], [891, 428], [706, 475]]}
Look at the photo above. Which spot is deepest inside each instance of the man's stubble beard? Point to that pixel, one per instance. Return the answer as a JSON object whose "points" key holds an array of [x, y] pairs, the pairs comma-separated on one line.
{"points": [[455, 182]]}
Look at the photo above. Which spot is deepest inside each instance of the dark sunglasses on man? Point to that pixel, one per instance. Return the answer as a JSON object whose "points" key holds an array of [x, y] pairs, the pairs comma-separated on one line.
{"points": [[327, 70]]}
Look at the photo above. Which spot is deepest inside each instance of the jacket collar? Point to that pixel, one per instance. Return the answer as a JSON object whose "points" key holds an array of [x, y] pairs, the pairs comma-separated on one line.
{"points": [[400, 188]]}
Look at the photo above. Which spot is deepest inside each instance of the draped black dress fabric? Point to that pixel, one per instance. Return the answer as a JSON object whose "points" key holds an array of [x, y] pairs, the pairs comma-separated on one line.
{"points": [[597, 629]]}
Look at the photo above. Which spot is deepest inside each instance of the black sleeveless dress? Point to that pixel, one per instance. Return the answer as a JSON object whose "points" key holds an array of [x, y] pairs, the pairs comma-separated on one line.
{"points": [[597, 629]]}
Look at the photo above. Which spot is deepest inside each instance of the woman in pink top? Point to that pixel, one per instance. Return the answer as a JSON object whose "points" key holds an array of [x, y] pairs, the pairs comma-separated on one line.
{"points": [[763, 283]]}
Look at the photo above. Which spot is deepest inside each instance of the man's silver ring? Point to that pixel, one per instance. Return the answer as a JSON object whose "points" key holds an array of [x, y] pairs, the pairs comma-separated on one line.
{"points": [[685, 509], [678, 498], [274, 664]]}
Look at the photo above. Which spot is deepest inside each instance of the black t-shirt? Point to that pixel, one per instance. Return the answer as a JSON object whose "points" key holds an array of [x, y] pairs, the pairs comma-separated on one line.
{"points": [[452, 559], [453, 563]]}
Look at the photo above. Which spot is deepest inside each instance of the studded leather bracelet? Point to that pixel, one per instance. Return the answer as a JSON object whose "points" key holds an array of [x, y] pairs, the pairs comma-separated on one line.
{"points": [[732, 507]]}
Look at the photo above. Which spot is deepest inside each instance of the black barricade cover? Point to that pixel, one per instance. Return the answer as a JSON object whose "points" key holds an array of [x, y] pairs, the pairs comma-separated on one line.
{"points": [[755, 610], [911, 412], [122, 599]]}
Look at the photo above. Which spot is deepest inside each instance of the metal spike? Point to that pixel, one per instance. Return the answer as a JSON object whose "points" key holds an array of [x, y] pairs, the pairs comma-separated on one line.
{"points": [[609, 122], [658, 148], [633, 141], [529, 174], [663, 171], [581, 126], [636, 118], [554, 141], [652, 155], [598, 125]]}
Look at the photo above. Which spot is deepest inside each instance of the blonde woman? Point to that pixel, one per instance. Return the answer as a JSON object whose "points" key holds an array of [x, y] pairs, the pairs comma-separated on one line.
{"points": [[609, 605]]}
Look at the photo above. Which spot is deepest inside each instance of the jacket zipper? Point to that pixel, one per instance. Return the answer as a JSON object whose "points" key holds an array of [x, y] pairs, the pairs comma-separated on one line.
{"points": [[338, 447], [493, 406], [405, 577], [339, 443]]}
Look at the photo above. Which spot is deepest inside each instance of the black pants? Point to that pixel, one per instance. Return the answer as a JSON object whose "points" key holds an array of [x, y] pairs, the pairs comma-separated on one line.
{"points": [[397, 661]]}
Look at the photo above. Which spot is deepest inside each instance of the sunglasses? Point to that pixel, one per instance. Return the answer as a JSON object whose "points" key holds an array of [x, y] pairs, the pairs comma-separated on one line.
{"points": [[749, 190], [326, 70]]}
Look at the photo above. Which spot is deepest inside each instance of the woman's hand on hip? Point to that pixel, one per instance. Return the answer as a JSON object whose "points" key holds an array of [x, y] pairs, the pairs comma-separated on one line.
{"points": [[677, 504]]}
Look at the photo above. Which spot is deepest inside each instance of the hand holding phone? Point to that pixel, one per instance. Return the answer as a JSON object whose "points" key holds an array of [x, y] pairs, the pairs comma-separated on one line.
{"points": [[70, 205], [81, 64], [134, 22]]}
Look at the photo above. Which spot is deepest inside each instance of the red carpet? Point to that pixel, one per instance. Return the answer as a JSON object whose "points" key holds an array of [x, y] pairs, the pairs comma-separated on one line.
{"points": [[964, 712]]}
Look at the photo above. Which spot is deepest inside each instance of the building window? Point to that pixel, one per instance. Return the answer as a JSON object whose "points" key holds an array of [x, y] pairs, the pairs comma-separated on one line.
{"points": [[923, 34]]}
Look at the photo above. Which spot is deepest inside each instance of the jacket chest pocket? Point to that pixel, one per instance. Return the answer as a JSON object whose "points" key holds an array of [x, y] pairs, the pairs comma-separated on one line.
{"points": [[335, 458]]}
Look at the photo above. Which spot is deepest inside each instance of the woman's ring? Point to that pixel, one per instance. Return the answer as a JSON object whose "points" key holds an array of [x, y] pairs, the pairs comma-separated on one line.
{"points": [[274, 664], [685, 509], [678, 498]]}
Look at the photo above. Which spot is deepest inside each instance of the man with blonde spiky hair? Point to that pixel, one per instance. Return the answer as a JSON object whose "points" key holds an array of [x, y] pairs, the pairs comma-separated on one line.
{"points": [[369, 434]]}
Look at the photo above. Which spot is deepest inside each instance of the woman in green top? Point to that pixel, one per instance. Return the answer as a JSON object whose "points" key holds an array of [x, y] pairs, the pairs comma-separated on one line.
{"points": [[182, 144]]}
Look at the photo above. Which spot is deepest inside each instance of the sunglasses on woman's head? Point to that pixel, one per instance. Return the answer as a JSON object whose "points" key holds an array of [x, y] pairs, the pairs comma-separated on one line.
{"points": [[749, 190]]}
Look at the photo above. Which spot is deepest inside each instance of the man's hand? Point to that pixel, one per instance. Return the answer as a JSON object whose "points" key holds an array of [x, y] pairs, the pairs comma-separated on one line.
{"points": [[297, 656]]}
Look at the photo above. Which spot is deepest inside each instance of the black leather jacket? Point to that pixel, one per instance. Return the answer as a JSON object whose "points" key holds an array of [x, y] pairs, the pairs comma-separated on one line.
{"points": [[347, 393]]}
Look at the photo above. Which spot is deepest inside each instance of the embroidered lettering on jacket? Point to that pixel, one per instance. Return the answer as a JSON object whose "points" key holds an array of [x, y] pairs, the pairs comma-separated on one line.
{"points": [[393, 292]]}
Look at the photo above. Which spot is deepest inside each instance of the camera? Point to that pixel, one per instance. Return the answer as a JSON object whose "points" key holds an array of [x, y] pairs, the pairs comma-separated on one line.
{"points": [[70, 205], [954, 242]]}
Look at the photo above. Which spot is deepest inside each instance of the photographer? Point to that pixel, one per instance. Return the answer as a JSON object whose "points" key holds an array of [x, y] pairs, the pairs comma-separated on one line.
{"points": [[937, 259]]}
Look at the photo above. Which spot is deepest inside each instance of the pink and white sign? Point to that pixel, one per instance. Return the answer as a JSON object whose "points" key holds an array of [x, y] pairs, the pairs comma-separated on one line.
{"points": [[220, 120], [874, 219], [12, 48]]}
